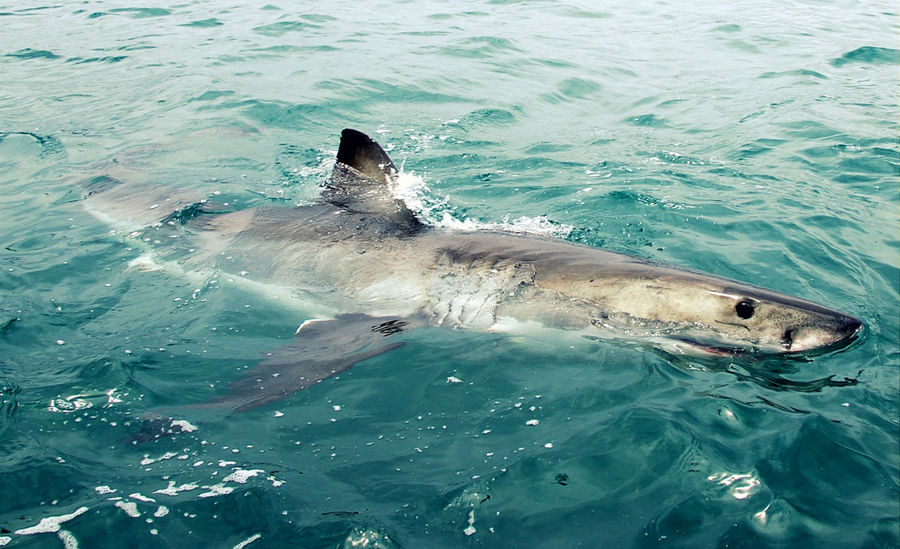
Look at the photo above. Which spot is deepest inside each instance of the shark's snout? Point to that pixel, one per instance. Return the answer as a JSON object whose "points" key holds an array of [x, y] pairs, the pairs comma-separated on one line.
{"points": [[850, 329], [839, 331]]}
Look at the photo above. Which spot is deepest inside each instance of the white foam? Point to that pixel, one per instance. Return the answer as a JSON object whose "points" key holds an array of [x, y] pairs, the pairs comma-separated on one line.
{"points": [[148, 460], [216, 490], [51, 524], [539, 226], [68, 405], [129, 507], [470, 529], [364, 537], [68, 539], [186, 427], [247, 541], [172, 490], [241, 475], [111, 398], [414, 192]]}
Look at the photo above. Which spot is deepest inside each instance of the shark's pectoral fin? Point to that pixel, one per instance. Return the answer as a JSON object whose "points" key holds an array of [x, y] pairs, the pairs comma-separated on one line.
{"points": [[321, 349], [361, 182], [285, 373]]}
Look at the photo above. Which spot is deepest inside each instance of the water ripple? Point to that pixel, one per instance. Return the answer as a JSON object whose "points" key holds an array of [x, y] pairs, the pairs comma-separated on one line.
{"points": [[871, 55]]}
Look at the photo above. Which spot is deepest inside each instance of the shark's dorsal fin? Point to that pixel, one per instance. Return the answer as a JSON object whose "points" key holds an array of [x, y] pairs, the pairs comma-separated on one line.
{"points": [[361, 183], [363, 154]]}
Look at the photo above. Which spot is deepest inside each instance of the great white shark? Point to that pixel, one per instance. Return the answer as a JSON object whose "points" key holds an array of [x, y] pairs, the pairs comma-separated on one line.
{"points": [[383, 271]]}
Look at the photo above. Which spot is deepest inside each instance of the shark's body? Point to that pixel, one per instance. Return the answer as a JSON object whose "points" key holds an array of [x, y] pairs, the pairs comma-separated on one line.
{"points": [[365, 254]]}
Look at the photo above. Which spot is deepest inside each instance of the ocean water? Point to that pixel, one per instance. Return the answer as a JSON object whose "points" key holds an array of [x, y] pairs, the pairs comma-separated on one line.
{"points": [[756, 140]]}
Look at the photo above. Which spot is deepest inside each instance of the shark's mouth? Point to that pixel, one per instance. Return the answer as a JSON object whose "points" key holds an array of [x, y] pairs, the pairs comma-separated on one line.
{"points": [[676, 339], [712, 348]]}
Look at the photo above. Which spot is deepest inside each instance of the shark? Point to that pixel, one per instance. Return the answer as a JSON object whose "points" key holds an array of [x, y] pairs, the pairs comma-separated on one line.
{"points": [[382, 272]]}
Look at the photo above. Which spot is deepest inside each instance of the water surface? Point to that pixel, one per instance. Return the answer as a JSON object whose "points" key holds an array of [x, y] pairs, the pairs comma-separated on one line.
{"points": [[754, 140]]}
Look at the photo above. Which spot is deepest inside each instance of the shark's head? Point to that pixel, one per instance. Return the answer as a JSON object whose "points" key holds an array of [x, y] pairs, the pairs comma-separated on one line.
{"points": [[712, 315], [738, 319]]}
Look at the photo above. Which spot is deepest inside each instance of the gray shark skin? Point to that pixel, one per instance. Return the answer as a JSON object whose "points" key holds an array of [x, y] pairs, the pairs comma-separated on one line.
{"points": [[381, 271]]}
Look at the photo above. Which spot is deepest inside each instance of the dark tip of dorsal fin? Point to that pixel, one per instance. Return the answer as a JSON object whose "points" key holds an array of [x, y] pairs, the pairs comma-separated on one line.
{"points": [[363, 154]]}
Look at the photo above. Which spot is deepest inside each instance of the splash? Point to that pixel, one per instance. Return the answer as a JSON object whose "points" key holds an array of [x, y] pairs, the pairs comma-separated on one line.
{"points": [[415, 193], [73, 403], [437, 212], [540, 225]]}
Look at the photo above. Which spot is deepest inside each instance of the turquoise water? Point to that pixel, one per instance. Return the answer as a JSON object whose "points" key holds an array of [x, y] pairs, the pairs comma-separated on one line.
{"points": [[755, 140]]}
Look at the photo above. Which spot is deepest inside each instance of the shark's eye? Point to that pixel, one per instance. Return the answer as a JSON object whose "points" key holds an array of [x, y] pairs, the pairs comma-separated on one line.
{"points": [[745, 308]]}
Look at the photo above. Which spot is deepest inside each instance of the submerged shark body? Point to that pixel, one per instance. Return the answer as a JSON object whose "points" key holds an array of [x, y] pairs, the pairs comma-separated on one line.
{"points": [[361, 250]]}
